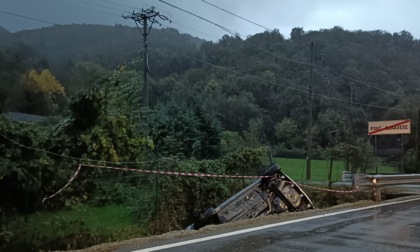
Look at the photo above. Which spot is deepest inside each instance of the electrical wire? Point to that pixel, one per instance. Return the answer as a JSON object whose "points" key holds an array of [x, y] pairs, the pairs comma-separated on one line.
{"points": [[84, 8], [231, 13], [274, 54], [282, 58], [99, 5], [30, 18], [190, 28], [336, 73], [118, 4], [199, 17], [226, 29], [79, 159], [282, 85], [220, 26], [372, 86], [360, 106]]}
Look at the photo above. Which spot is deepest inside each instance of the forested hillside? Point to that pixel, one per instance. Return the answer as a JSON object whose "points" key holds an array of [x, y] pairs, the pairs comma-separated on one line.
{"points": [[214, 107], [108, 46], [257, 84], [79, 54]]}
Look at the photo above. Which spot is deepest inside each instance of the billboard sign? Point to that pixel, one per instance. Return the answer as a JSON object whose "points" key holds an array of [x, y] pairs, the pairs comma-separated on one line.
{"points": [[396, 127]]}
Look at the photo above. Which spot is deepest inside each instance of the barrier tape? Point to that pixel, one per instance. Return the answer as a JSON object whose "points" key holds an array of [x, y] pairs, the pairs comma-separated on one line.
{"points": [[173, 173], [68, 183], [188, 174]]}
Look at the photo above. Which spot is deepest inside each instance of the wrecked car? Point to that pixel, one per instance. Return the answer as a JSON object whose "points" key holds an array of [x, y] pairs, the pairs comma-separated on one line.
{"points": [[274, 193]]}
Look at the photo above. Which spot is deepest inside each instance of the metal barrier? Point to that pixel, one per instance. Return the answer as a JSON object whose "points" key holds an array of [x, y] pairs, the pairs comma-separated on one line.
{"points": [[376, 182]]}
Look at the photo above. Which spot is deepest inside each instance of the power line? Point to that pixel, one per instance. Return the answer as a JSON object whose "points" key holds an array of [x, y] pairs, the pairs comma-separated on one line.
{"points": [[372, 86], [190, 28], [235, 34], [197, 16], [336, 73], [249, 21], [30, 18], [224, 28], [363, 111], [85, 8], [133, 7], [78, 159], [282, 58], [99, 5], [119, 4], [282, 85]]}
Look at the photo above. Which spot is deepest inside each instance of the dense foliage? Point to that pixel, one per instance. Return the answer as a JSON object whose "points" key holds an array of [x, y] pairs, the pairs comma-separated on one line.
{"points": [[214, 107]]}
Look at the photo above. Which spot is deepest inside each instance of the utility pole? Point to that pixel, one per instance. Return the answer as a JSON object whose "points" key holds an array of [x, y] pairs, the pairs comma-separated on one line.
{"points": [[332, 144], [142, 18], [308, 159]]}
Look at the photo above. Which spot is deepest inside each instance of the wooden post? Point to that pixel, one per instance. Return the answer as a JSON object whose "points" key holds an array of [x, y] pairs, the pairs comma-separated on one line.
{"points": [[377, 193]]}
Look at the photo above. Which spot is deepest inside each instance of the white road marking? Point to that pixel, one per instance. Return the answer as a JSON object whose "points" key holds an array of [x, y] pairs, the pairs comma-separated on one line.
{"points": [[178, 244]]}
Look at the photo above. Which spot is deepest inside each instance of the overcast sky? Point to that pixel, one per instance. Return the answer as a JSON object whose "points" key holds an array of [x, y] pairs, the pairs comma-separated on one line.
{"points": [[388, 15]]}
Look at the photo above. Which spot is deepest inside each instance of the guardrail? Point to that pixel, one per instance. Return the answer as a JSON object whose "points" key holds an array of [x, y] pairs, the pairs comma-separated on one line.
{"points": [[376, 182]]}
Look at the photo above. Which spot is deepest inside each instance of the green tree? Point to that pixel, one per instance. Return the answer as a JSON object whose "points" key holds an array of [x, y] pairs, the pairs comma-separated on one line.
{"points": [[286, 131], [178, 130], [329, 121], [83, 75], [357, 155]]}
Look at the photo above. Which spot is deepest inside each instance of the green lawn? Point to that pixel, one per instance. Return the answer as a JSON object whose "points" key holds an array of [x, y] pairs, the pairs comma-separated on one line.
{"points": [[296, 169], [107, 221]]}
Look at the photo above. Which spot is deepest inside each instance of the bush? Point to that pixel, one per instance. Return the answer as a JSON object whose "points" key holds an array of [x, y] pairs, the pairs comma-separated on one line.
{"points": [[282, 151], [182, 199]]}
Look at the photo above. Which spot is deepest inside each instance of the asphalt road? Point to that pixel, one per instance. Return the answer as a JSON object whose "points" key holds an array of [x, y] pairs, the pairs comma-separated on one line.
{"points": [[388, 227]]}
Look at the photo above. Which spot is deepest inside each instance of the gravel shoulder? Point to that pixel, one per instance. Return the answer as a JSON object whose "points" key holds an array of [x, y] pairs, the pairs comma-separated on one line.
{"points": [[233, 226]]}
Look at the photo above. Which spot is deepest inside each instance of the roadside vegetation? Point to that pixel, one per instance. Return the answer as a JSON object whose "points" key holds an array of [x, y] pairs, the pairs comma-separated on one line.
{"points": [[224, 120]]}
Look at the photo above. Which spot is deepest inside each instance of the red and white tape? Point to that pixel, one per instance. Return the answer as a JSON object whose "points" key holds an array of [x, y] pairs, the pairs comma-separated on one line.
{"points": [[188, 174], [68, 183], [173, 173]]}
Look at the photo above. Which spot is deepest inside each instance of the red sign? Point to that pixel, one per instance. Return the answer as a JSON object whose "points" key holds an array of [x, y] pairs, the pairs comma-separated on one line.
{"points": [[396, 127]]}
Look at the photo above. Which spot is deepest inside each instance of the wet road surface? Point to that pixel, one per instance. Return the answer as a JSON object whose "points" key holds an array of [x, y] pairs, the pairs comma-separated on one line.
{"points": [[393, 227]]}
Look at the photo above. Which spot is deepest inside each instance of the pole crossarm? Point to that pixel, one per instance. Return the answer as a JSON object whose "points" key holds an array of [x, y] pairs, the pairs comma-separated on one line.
{"points": [[146, 18], [147, 15]]}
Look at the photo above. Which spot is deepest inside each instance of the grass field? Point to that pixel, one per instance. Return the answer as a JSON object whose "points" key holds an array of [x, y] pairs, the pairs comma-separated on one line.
{"points": [[109, 221], [296, 169]]}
